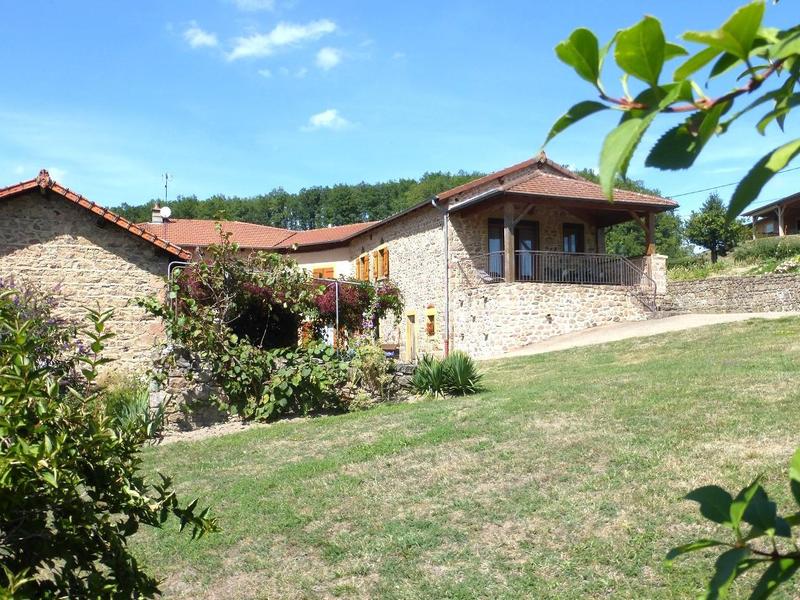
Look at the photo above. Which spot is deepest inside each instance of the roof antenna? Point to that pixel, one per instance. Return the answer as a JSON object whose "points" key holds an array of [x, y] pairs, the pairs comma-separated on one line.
{"points": [[166, 186]]}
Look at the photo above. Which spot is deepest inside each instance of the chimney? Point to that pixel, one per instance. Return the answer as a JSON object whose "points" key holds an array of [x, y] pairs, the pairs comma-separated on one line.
{"points": [[155, 216]]}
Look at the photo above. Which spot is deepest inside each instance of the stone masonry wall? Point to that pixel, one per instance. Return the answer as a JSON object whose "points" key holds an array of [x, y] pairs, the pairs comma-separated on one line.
{"points": [[53, 243], [734, 294], [491, 319], [416, 265]]}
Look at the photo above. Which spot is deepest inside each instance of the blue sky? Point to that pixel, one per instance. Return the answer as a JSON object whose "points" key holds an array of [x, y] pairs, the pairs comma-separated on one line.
{"points": [[242, 96]]}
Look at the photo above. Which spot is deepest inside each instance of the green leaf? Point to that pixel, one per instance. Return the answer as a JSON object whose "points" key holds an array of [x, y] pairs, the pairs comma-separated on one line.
{"points": [[695, 63], [788, 46], [742, 502], [679, 147], [794, 476], [764, 170], [640, 50], [573, 115], [581, 52], [737, 34], [724, 63], [620, 144], [782, 108], [726, 570], [715, 503], [779, 572], [672, 50], [691, 547]]}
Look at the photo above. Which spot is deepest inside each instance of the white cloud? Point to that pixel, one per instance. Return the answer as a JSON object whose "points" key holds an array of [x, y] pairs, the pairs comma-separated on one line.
{"points": [[327, 119], [301, 72], [254, 5], [327, 58], [284, 34], [265, 73], [399, 55], [199, 38]]}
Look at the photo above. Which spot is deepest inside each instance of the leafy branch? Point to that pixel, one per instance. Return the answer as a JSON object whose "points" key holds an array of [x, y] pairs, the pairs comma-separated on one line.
{"points": [[763, 54]]}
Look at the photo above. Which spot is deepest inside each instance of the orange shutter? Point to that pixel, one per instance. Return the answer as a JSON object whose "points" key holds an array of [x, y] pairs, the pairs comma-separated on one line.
{"points": [[365, 268], [385, 260], [375, 265], [357, 268], [327, 273]]}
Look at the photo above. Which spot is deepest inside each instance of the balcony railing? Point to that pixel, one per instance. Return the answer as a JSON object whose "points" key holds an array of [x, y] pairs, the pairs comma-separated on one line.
{"points": [[561, 267]]}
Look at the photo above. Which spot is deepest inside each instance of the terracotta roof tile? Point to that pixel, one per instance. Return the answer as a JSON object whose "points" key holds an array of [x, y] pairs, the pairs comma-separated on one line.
{"points": [[203, 232], [44, 183], [326, 235], [556, 186]]}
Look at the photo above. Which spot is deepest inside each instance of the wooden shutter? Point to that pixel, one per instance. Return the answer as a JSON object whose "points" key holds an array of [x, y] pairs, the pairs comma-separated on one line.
{"points": [[327, 273], [357, 268], [385, 261], [375, 265]]}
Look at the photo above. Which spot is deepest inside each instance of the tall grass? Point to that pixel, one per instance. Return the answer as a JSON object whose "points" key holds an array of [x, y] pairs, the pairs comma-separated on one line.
{"points": [[127, 403]]}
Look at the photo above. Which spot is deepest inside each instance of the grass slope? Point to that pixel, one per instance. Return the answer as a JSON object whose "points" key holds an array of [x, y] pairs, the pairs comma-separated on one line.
{"points": [[563, 480]]}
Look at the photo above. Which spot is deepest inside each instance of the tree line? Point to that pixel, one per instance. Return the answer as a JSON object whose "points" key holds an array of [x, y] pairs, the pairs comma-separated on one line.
{"points": [[320, 206]]}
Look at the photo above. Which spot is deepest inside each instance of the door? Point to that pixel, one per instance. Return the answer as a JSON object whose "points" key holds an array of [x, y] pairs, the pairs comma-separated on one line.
{"points": [[526, 242], [411, 337]]}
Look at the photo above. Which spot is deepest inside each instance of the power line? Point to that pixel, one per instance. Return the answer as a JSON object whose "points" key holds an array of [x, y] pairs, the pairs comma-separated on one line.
{"points": [[716, 187]]}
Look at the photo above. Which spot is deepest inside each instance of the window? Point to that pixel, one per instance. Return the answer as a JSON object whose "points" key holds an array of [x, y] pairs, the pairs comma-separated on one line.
{"points": [[573, 237], [362, 267], [496, 254], [323, 272], [384, 262]]}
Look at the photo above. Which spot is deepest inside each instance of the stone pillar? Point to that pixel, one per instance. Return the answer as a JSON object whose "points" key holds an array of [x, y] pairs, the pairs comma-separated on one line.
{"points": [[650, 234], [508, 241], [656, 267]]}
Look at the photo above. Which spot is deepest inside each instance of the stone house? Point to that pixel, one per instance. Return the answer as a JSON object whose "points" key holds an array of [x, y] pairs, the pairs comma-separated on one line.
{"points": [[778, 218], [498, 263], [510, 259], [56, 239]]}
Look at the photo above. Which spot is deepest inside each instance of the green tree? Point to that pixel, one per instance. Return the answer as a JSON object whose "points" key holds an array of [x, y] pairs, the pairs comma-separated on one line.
{"points": [[768, 60], [710, 228]]}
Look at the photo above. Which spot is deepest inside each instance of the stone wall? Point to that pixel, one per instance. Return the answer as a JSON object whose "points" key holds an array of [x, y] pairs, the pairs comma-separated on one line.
{"points": [[55, 244], [734, 294], [416, 264], [491, 319]]}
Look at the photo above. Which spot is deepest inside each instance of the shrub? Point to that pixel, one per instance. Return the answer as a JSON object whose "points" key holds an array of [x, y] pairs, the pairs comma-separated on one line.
{"points": [[372, 370], [778, 248], [456, 375], [127, 405], [461, 374], [71, 491], [695, 260], [305, 380]]}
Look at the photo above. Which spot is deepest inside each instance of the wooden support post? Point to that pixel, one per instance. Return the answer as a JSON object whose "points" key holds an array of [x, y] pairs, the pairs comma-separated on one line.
{"points": [[650, 234], [781, 226], [508, 242], [753, 218]]}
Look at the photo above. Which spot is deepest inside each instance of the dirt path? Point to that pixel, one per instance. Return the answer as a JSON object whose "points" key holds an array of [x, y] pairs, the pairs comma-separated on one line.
{"points": [[622, 331]]}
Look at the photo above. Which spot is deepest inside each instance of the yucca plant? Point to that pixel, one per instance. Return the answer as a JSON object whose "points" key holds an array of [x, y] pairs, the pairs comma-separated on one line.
{"points": [[430, 376], [456, 375], [127, 404], [461, 374]]}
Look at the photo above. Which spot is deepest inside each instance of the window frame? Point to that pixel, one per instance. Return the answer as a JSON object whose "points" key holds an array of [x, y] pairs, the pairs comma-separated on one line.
{"points": [[579, 231]]}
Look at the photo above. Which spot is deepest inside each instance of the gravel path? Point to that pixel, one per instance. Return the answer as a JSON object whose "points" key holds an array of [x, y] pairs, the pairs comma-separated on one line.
{"points": [[623, 331]]}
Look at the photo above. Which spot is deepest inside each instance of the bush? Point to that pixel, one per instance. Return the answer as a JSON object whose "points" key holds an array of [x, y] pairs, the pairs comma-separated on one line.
{"points": [[307, 379], [778, 248], [461, 374], [71, 491], [456, 375], [127, 405], [373, 371], [695, 260]]}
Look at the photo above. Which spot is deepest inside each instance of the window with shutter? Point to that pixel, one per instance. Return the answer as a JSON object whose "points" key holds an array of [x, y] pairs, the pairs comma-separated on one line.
{"points": [[375, 265], [385, 262]]}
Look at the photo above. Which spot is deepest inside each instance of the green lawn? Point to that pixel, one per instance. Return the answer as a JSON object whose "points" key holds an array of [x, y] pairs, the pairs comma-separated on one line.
{"points": [[563, 480]]}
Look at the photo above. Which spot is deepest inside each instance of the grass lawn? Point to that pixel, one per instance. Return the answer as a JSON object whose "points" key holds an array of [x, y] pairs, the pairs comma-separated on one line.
{"points": [[562, 480]]}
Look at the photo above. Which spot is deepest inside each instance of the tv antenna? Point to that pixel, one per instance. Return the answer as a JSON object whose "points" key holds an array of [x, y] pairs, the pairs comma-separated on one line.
{"points": [[166, 186]]}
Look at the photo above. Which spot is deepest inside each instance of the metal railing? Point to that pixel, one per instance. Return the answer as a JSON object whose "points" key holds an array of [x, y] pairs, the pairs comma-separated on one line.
{"points": [[566, 267]]}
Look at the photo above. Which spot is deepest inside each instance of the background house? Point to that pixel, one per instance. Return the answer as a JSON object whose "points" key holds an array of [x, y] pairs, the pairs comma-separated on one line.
{"points": [[781, 217], [57, 239]]}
